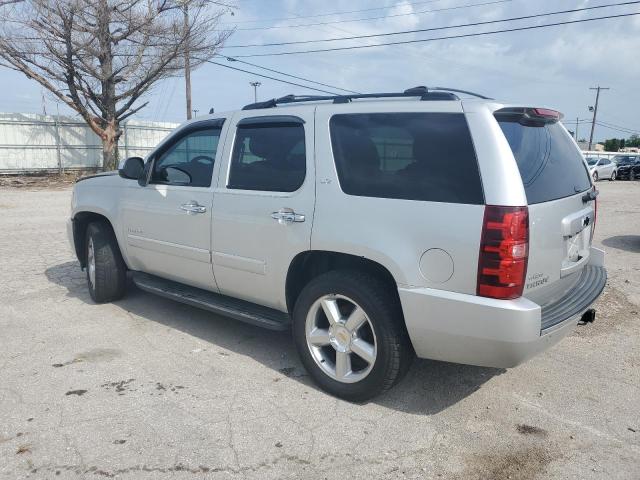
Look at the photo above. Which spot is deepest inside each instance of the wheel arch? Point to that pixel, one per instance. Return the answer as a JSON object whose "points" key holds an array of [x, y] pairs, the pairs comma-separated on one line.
{"points": [[309, 264], [81, 221]]}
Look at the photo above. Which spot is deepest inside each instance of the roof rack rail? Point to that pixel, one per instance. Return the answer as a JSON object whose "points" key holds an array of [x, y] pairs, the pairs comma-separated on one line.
{"points": [[425, 93]]}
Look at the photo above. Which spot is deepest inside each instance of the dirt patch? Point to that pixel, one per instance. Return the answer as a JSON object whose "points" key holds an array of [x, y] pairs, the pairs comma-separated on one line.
{"points": [[120, 386], [525, 429], [23, 449], [76, 392], [95, 355], [521, 464], [53, 181], [291, 372], [612, 311]]}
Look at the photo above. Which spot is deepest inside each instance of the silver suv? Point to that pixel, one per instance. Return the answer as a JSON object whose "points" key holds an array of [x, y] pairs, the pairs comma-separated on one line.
{"points": [[378, 227]]}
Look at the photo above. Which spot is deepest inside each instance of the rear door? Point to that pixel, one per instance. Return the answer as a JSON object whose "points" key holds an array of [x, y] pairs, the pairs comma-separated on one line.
{"points": [[561, 216], [264, 203]]}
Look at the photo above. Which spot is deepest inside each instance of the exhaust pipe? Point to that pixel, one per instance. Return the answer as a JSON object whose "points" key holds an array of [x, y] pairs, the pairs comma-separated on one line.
{"points": [[588, 317]]}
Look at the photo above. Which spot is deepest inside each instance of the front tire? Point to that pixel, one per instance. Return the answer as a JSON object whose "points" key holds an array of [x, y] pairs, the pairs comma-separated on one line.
{"points": [[350, 335], [106, 270], [595, 176]]}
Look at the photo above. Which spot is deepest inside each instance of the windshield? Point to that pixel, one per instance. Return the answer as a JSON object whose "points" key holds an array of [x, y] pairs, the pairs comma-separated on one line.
{"points": [[624, 160], [550, 164], [592, 161]]}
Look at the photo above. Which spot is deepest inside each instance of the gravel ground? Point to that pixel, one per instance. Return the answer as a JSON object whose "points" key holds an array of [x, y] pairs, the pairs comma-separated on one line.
{"points": [[149, 389]]}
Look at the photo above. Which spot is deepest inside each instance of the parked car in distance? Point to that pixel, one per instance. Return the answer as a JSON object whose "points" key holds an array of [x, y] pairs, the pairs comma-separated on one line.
{"points": [[628, 166], [601, 168], [377, 227]]}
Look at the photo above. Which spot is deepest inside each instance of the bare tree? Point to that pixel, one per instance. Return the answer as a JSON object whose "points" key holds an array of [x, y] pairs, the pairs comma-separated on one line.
{"points": [[100, 57]]}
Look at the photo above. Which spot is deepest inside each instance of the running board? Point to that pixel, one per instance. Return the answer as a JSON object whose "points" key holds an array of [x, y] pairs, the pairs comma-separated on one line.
{"points": [[213, 302]]}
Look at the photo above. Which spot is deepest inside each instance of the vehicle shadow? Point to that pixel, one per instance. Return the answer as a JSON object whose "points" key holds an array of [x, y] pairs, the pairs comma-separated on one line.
{"points": [[629, 243], [428, 388]]}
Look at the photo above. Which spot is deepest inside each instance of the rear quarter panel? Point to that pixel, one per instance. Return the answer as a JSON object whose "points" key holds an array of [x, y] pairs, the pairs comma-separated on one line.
{"points": [[393, 232]]}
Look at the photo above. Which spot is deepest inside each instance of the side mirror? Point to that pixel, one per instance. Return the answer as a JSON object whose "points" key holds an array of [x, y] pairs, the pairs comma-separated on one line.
{"points": [[132, 168]]}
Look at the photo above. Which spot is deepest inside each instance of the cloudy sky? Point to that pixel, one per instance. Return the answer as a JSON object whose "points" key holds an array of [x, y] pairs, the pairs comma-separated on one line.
{"points": [[547, 66]]}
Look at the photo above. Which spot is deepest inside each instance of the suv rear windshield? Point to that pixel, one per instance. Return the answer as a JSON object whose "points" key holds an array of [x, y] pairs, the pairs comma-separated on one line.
{"points": [[625, 160], [412, 156], [550, 164]]}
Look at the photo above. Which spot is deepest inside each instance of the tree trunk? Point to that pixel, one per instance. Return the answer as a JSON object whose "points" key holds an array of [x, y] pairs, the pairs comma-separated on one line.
{"points": [[110, 137]]}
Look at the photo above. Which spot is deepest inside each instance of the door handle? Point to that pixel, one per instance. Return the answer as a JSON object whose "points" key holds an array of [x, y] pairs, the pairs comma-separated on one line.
{"points": [[193, 208], [286, 216]]}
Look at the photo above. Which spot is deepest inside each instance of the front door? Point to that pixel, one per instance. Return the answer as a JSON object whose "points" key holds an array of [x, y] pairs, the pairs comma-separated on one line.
{"points": [[167, 222], [263, 206]]}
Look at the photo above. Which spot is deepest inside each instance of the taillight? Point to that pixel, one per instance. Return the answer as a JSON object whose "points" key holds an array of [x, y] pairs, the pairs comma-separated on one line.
{"points": [[504, 250], [547, 113]]}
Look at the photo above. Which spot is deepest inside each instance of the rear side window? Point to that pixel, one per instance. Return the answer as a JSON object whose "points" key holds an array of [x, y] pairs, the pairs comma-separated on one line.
{"points": [[550, 164], [268, 157], [411, 156]]}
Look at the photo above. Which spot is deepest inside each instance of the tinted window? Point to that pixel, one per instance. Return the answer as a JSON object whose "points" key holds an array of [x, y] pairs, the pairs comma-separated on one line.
{"points": [[413, 156], [625, 160], [550, 164], [592, 161], [269, 157], [189, 160]]}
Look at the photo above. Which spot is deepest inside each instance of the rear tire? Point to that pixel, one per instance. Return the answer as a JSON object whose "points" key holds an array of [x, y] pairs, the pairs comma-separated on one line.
{"points": [[378, 349], [613, 176], [106, 270]]}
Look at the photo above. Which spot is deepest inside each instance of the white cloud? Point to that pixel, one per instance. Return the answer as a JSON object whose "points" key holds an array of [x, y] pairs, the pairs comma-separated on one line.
{"points": [[552, 66]]}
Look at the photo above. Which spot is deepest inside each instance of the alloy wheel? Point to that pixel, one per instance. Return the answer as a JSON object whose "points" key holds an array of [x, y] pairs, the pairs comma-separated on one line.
{"points": [[341, 338]]}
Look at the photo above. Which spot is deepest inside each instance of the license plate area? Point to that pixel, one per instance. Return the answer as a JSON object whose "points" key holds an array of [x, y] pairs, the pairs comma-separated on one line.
{"points": [[577, 242]]}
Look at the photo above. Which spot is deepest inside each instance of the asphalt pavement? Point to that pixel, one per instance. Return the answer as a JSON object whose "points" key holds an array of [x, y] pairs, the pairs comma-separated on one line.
{"points": [[150, 389]]}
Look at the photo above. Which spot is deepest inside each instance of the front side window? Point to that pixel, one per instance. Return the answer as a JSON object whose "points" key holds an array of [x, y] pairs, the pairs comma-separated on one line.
{"points": [[268, 157], [411, 156], [189, 160]]}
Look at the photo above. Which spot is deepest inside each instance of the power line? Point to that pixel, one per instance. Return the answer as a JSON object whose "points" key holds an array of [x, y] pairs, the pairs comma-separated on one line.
{"points": [[282, 19], [622, 130], [448, 37], [270, 78], [459, 7], [233, 59], [403, 32], [602, 122]]}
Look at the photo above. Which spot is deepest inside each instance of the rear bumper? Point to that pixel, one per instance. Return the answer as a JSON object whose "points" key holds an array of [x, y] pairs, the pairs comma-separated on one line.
{"points": [[474, 330]]}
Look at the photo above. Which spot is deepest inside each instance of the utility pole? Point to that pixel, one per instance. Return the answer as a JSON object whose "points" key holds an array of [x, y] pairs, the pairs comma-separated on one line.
{"points": [[595, 112], [576, 131], [255, 86], [44, 103], [187, 65]]}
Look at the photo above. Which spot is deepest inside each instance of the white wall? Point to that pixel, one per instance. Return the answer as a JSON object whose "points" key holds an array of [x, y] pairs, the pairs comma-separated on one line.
{"points": [[29, 142]]}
